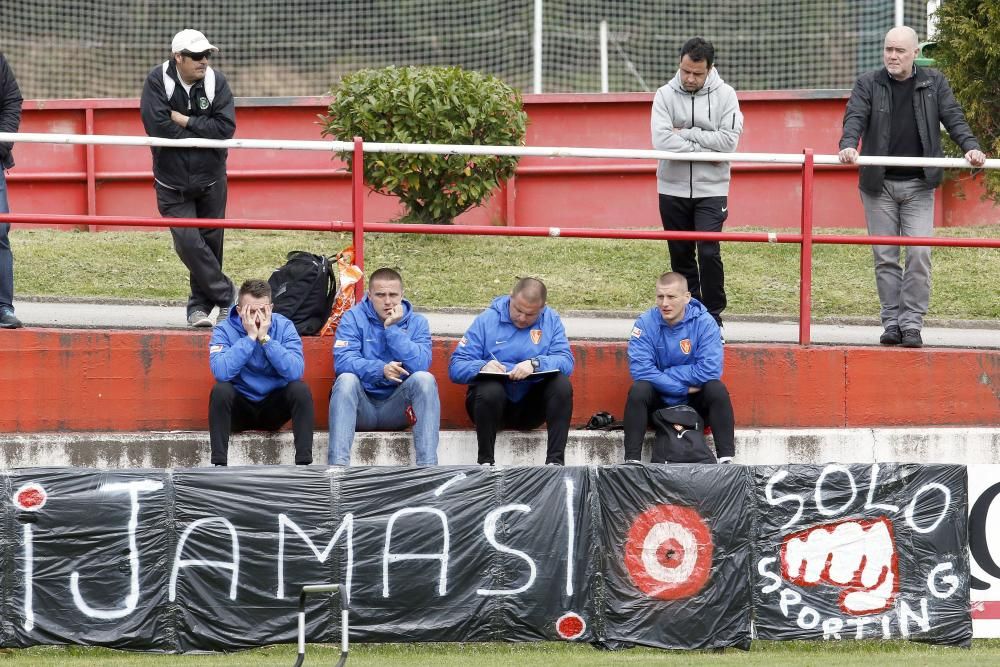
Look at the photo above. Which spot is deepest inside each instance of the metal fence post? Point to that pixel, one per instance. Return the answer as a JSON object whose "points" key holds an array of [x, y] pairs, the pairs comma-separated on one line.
{"points": [[805, 254], [358, 212]]}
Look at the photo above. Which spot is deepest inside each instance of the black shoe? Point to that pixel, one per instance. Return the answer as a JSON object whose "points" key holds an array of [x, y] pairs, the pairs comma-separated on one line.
{"points": [[891, 336], [8, 320], [911, 338]]}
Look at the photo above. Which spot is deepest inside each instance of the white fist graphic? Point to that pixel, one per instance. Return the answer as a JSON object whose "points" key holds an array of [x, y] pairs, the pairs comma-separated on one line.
{"points": [[857, 556]]}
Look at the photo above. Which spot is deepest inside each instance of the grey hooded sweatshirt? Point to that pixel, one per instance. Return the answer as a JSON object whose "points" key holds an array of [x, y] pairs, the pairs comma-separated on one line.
{"points": [[708, 120]]}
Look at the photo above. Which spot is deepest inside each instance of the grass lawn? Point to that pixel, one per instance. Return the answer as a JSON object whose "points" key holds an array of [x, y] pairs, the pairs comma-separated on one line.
{"points": [[548, 654], [462, 271]]}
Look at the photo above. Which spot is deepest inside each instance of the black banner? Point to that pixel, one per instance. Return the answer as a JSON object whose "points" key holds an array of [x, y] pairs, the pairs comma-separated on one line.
{"points": [[214, 559], [862, 552], [676, 541]]}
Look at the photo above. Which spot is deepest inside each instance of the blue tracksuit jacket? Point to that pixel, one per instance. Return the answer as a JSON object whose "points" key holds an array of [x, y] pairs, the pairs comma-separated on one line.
{"points": [[493, 335], [256, 370], [364, 346], [674, 358]]}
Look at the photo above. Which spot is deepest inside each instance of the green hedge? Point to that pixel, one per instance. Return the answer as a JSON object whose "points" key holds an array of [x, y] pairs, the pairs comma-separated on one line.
{"points": [[968, 52], [437, 105]]}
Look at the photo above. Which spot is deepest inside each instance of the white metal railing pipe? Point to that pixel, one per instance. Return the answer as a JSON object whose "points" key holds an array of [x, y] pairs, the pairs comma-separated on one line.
{"points": [[463, 149]]}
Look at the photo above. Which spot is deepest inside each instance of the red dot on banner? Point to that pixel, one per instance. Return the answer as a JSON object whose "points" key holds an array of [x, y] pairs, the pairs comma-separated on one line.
{"points": [[570, 625], [30, 497], [670, 553]]}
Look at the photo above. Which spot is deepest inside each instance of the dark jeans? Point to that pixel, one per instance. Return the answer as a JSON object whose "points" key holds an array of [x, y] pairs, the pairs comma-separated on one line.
{"points": [[229, 410], [549, 401], [705, 275], [6, 256], [712, 403], [199, 248]]}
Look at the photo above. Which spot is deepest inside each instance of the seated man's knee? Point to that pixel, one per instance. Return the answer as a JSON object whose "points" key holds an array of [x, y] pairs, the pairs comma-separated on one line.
{"points": [[298, 391], [714, 390], [561, 387], [490, 392], [346, 383], [423, 382], [642, 392], [223, 393], [488, 397]]}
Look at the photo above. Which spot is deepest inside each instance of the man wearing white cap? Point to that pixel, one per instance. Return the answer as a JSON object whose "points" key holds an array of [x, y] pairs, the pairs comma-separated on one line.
{"points": [[185, 98]]}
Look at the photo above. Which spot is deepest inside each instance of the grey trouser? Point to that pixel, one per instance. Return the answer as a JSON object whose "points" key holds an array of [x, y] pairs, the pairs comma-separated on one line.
{"points": [[199, 248], [903, 208]]}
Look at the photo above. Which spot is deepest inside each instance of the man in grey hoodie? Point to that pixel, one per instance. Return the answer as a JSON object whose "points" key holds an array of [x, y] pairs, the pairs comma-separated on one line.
{"points": [[696, 112]]}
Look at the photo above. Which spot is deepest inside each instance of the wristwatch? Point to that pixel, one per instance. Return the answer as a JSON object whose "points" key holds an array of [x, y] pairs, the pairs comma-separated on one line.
{"points": [[265, 340], [535, 363]]}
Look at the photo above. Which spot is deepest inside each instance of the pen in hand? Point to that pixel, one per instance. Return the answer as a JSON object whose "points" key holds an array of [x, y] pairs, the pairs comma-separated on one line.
{"points": [[500, 368]]}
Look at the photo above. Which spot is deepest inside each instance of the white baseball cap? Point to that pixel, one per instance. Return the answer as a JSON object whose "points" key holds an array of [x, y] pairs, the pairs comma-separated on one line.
{"points": [[192, 41]]}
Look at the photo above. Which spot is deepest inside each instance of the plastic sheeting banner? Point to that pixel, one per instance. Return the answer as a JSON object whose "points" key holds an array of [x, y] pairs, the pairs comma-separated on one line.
{"points": [[984, 547], [852, 551], [214, 559]]}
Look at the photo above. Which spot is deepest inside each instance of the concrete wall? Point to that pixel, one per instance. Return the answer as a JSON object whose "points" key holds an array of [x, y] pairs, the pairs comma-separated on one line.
{"points": [[83, 380]]}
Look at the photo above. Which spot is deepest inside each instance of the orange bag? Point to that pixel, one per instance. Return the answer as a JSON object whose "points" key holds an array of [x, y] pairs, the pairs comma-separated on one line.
{"points": [[349, 275]]}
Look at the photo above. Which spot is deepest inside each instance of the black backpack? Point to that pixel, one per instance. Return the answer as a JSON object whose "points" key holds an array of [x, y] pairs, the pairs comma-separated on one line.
{"points": [[680, 445], [303, 290]]}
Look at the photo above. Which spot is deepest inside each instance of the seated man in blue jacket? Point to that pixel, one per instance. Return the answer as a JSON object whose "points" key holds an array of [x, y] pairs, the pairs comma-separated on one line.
{"points": [[516, 360], [256, 358], [675, 357], [381, 356]]}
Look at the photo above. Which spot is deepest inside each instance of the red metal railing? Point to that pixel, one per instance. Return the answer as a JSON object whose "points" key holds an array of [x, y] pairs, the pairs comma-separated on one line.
{"points": [[357, 227]]}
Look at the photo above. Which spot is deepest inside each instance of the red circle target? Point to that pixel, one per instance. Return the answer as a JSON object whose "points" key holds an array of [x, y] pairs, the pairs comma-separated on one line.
{"points": [[570, 625], [668, 553], [30, 497]]}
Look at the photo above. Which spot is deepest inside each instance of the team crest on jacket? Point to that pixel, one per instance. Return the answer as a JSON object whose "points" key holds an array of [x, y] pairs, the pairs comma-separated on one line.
{"points": [[636, 332], [686, 346], [536, 336], [202, 103], [341, 343]]}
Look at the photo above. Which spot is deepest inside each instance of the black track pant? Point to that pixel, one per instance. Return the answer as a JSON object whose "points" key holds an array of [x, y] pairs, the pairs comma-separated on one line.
{"points": [[549, 401], [229, 410]]}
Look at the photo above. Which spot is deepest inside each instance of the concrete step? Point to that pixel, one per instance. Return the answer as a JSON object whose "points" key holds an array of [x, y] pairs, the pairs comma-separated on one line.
{"points": [[179, 449], [579, 324]]}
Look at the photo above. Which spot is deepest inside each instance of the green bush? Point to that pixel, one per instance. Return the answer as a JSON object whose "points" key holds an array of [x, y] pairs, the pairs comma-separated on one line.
{"points": [[433, 105], [968, 52]]}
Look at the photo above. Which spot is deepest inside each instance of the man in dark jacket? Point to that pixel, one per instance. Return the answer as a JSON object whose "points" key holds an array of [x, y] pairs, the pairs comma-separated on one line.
{"points": [[10, 120], [185, 98], [897, 111], [256, 359], [675, 358]]}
